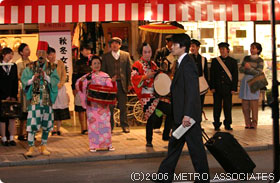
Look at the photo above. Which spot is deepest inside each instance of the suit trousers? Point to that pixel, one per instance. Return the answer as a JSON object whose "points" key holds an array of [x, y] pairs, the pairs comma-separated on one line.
{"points": [[122, 100], [225, 100], [247, 107], [166, 109], [193, 138]]}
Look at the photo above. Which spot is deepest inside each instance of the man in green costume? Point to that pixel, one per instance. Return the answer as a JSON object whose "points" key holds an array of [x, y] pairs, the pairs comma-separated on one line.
{"points": [[40, 81]]}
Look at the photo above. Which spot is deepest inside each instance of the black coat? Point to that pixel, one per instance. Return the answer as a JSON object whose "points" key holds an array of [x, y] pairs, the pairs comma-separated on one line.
{"points": [[185, 92], [8, 83], [160, 54], [81, 67], [198, 61], [219, 80]]}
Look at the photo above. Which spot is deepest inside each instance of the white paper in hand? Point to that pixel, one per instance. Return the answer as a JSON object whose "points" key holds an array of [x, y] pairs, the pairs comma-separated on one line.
{"points": [[180, 131]]}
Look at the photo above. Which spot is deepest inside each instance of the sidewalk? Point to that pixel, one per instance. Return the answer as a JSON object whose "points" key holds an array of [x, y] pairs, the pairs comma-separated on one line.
{"points": [[73, 147]]}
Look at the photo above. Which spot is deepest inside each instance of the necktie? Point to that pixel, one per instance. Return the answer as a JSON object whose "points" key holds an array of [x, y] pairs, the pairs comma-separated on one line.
{"points": [[7, 69]]}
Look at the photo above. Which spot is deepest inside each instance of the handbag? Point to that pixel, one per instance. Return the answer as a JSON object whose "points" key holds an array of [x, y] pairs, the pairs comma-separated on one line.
{"points": [[10, 109], [257, 82], [203, 85]]}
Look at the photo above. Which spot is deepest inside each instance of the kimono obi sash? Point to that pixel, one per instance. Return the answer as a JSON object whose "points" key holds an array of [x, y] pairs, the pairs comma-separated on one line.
{"points": [[101, 94]]}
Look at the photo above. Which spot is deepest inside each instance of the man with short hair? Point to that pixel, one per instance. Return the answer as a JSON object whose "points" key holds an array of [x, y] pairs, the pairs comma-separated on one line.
{"points": [[185, 101], [118, 63], [163, 56], [39, 80], [223, 83]]}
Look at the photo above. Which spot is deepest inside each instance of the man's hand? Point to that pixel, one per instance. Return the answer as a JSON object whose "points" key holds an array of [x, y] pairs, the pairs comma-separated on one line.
{"points": [[213, 90], [150, 74], [186, 121], [36, 75], [233, 92]]}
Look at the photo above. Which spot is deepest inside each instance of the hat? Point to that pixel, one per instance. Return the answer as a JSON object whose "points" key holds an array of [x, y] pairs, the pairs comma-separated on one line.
{"points": [[223, 44], [168, 38], [196, 42], [115, 39], [43, 45]]}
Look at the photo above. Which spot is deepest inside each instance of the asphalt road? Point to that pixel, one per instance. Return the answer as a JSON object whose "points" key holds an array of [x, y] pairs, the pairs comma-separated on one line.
{"points": [[123, 171]]}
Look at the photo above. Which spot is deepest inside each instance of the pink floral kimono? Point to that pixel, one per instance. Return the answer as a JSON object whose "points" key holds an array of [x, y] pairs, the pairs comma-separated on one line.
{"points": [[98, 115]]}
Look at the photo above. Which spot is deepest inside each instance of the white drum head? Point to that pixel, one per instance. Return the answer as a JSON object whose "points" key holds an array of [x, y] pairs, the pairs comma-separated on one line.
{"points": [[162, 84]]}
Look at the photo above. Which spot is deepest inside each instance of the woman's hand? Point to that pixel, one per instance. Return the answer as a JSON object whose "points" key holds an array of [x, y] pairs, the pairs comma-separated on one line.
{"points": [[114, 78], [247, 66], [59, 85]]}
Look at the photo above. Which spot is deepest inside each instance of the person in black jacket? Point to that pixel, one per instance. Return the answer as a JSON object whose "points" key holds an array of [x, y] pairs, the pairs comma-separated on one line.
{"points": [[8, 91], [162, 53], [81, 68], [195, 46], [223, 83], [185, 102]]}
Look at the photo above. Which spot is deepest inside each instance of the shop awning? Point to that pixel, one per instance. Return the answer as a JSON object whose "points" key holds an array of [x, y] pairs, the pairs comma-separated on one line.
{"points": [[60, 11]]}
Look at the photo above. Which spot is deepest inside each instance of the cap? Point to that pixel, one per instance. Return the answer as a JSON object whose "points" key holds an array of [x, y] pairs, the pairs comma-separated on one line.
{"points": [[196, 42], [168, 38], [115, 39], [43, 45], [223, 44]]}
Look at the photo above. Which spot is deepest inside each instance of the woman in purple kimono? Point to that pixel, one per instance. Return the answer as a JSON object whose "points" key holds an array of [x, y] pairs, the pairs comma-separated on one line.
{"points": [[97, 109]]}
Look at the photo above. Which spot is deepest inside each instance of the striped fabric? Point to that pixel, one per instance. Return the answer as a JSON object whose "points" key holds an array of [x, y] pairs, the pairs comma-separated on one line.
{"points": [[55, 11]]}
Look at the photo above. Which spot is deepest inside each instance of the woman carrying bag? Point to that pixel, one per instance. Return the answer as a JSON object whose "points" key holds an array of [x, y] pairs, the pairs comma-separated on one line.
{"points": [[251, 66]]}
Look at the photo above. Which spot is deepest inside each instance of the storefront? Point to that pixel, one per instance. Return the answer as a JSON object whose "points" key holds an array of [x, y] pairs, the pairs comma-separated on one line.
{"points": [[237, 22]]}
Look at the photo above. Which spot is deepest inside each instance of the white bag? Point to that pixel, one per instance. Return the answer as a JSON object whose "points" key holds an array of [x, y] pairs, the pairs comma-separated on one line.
{"points": [[203, 85]]}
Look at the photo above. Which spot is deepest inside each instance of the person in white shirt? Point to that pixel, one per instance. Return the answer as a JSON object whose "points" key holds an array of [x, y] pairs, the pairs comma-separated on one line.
{"points": [[118, 63], [185, 101]]}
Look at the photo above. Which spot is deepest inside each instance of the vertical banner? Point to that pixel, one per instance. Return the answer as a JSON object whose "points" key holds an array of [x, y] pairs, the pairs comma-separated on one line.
{"points": [[61, 42]]}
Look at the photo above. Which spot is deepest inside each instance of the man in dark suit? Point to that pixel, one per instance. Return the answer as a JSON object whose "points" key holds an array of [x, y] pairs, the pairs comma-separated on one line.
{"points": [[118, 63], [223, 83], [185, 101], [162, 55]]}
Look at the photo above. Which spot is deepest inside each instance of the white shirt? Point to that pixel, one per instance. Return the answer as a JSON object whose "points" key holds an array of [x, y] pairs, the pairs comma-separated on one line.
{"points": [[181, 58], [116, 55]]}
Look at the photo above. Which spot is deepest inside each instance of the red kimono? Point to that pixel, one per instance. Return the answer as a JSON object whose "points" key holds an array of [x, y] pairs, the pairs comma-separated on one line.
{"points": [[144, 88]]}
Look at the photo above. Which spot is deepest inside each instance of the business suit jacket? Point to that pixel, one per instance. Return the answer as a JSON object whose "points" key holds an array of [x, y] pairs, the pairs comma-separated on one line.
{"points": [[9, 83], [185, 92], [108, 66]]}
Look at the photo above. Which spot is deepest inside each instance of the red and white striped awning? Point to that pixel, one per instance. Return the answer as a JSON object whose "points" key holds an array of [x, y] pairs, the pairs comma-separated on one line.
{"points": [[61, 11]]}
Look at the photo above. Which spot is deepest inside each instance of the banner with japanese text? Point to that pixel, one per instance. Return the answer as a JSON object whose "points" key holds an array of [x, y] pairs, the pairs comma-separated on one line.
{"points": [[61, 42]]}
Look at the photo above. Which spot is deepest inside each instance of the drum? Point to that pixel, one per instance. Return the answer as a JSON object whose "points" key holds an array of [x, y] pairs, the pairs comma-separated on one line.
{"points": [[162, 84], [10, 109], [101, 94]]}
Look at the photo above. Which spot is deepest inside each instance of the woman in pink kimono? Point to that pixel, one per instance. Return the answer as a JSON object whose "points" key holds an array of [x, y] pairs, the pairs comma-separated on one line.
{"points": [[98, 112]]}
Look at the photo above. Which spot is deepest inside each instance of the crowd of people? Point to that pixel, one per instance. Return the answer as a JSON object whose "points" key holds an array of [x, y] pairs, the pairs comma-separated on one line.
{"points": [[98, 83]]}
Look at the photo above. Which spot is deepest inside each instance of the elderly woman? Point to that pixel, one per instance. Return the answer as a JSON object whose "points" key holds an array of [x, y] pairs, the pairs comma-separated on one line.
{"points": [[60, 107], [251, 66], [98, 113], [8, 91]]}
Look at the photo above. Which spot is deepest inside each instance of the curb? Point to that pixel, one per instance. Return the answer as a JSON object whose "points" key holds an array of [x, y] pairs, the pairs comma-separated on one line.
{"points": [[109, 157]]}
